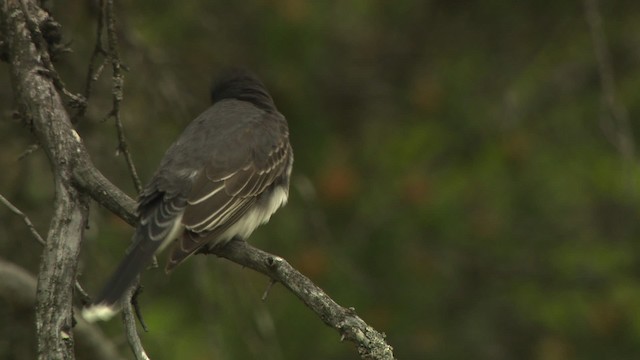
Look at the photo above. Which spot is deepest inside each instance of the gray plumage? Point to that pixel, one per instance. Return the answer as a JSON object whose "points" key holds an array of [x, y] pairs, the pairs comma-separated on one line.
{"points": [[224, 176]]}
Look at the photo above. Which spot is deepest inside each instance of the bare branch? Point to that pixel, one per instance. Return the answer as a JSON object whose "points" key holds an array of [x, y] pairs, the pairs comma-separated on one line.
{"points": [[37, 236], [129, 321], [117, 90], [371, 344], [91, 181], [268, 289], [28, 151], [25, 218], [39, 102]]}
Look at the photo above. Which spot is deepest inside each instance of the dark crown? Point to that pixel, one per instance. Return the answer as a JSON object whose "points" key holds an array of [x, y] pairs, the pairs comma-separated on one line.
{"points": [[242, 85]]}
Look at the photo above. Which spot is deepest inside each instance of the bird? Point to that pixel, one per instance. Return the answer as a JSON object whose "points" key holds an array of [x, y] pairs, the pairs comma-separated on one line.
{"points": [[224, 176]]}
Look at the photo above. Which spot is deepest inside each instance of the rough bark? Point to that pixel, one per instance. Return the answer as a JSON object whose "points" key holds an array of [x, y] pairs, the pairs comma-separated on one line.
{"points": [[371, 344], [41, 106]]}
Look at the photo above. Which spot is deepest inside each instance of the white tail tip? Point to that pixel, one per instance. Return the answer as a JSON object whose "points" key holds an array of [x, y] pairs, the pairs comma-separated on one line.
{"points": [[97, 312]]}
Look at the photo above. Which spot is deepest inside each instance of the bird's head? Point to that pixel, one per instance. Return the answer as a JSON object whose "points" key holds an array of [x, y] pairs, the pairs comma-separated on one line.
{"points": [[241, 84]]}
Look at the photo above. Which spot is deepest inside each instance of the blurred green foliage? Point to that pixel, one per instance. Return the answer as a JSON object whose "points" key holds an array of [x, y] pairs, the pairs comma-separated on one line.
{"points": [[458, 176]]}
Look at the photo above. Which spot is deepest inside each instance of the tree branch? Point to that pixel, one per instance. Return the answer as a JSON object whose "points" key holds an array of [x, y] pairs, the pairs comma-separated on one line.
{"points": [[39, 102], [25, 218], [129, 321], [117, 90], [91, 181], [370, 343], [36, 234]]}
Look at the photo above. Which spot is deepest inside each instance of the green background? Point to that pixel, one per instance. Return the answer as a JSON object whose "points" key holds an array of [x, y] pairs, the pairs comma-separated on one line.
{"points": [[461, 178]]}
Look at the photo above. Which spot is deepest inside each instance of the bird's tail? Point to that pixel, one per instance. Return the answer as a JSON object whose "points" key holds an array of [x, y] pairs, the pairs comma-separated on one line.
{"points": [[107, 303]]}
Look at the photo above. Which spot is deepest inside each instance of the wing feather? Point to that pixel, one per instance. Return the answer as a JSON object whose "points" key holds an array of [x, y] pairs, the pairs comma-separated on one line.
{"points": [[198, 198], [191, 242], [226, 199]]}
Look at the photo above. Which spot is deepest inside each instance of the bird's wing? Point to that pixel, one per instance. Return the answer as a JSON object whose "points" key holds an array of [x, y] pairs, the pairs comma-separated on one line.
{"points": [[224, 192]]}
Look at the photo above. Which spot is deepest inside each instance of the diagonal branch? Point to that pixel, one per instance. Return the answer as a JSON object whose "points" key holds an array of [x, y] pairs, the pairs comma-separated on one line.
{"points": [[25, 218], [371, 343], [35, 234]]}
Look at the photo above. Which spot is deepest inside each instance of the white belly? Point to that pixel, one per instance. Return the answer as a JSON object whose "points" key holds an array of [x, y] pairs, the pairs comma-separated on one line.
{"points": [[257, 216]]}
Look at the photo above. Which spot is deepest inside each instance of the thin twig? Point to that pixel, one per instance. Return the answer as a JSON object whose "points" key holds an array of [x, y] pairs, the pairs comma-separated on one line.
{"points": [[123, 148], [28, 151], [268, 289], [93, 74], [83, 293], [136, 307], [25, 218], [117, 90], [36, 235], [129, 321]]}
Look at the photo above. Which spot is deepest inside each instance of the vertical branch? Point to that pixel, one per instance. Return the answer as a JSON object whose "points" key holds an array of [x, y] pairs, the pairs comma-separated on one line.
{"points": [[54, 316], [118, 81], [129, 322], [40, 103], [117, 91]]}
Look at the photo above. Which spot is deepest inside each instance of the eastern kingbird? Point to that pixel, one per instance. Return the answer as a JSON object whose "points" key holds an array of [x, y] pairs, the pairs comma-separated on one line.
{"points": [[225, 175]]}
